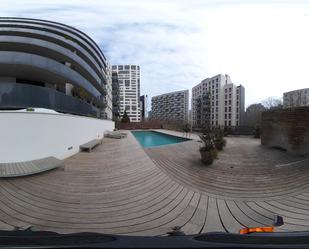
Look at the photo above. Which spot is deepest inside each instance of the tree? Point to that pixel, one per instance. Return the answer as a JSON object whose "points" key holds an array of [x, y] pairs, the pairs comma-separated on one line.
{"points": [[125, 118], [273, 103]]}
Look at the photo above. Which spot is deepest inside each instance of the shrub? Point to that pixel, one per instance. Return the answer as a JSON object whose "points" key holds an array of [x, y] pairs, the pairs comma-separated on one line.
{"points": [[30, 109], [257, 132]]}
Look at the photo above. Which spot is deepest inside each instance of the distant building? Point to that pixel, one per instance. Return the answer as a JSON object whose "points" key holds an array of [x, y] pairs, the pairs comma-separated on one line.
{"points": [[217, 101], [143, 106], [116, 96], [129, 90], [150, 114], [172, 107], [253, 115], [296, 98]]}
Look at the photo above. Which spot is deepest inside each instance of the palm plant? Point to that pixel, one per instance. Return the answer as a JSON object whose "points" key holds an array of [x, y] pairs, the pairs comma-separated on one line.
{"points": [[219, 140], [208, 150]]}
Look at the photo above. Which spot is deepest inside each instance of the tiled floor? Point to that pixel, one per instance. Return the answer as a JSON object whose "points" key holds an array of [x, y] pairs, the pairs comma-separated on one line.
{"points": [[122, 189]]}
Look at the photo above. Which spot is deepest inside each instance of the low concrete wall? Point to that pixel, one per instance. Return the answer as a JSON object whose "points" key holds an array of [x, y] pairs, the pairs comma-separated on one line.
{"points": [[28, 135], [287, 129]]}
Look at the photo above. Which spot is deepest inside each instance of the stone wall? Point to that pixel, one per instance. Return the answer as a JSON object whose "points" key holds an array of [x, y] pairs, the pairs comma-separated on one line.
{"points": [[287, 129]]}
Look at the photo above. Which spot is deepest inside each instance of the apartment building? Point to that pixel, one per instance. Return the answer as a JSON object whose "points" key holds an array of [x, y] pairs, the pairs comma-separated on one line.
{"points": [[143, 106], [129, 90], [172, 107], [116, 96], [58, 68], [216, 101], [296, 98]]}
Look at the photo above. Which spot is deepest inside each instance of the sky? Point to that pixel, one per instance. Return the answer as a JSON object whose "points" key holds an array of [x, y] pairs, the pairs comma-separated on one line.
{"points": [[263, 45]]}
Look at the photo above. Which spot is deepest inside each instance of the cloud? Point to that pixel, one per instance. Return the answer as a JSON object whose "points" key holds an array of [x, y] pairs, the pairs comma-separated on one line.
{"points": [[260, 44]]}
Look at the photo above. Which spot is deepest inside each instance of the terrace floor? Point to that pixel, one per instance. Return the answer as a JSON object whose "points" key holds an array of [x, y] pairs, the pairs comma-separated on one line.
{"points": [[121, 188]]}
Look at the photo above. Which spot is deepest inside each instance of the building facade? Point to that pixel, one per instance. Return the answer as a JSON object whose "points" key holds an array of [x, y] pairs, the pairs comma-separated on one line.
{"points": [[143, 106], [50, 65], [171, 107], [217, 101], [107, 99], [116, 96], [129, 90], [296, 98]]}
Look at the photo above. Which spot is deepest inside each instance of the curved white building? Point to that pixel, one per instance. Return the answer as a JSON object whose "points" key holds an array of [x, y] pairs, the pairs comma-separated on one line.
{"points": [[45, 64]]}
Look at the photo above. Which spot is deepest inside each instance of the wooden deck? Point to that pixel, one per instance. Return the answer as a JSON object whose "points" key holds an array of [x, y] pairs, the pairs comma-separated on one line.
{"points": [[122, 189], [29, 167]]}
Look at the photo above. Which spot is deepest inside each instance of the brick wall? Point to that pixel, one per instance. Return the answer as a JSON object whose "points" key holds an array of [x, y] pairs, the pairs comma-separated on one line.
{"points": [[139, 125], [287, 129]]}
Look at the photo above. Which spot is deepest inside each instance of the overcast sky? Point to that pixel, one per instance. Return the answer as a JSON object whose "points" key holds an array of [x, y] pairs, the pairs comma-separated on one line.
{"points": [[263, 45]]}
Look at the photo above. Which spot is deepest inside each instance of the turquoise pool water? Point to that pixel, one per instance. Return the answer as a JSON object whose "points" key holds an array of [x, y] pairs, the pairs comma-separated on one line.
{"points": [[151, 138]]}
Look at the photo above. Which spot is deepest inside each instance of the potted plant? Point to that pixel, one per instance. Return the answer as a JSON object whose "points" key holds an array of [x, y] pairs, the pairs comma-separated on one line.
{"points": [[219, 140], [208, 150], [257, 132]]}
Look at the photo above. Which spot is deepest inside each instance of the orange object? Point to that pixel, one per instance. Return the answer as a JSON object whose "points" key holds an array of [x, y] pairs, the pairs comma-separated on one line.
{"points": [[256, 230]]}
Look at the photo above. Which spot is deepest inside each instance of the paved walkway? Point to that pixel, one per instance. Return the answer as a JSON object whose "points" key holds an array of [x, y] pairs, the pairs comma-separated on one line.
{"points": [[120, 188]]}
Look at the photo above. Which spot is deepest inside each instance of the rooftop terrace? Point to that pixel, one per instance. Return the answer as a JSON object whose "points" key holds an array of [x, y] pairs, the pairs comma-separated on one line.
{"points": [[120, 188]]}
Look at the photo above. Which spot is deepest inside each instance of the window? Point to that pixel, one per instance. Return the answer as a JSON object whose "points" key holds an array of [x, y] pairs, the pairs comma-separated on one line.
{"points": [[225, 102], [133, 67], [225, 116], [216, 90], [217, 104], [127, 82], [225, 109], [225, 96], [225, 123], [230, 116], [230, 95], [217, 79], [230, 123], [230, 89], [230, 109], [225, 90], [230, 102], [114, 67], [217, 96], [127, 67], [120, 67]]}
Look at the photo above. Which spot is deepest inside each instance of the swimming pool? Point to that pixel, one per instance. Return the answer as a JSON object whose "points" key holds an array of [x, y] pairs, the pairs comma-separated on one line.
{"points": [[152, 138]]}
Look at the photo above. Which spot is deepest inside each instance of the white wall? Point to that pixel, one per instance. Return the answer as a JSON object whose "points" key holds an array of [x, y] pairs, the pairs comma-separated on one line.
{"points": [[28, 136]]}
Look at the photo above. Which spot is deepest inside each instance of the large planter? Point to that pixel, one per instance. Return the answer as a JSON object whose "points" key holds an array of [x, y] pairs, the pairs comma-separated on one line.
{"points": [[207, 156], [219, 145]]}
